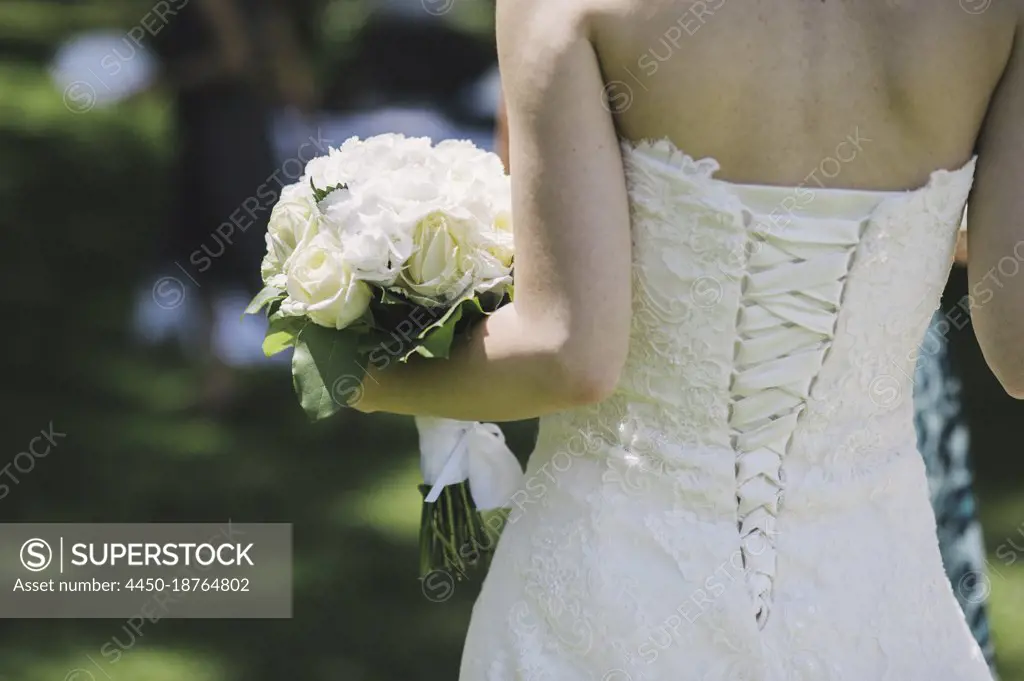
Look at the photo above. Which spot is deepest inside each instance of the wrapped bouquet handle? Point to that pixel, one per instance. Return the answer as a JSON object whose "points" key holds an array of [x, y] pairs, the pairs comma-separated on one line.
{"points": [[468, 471]]}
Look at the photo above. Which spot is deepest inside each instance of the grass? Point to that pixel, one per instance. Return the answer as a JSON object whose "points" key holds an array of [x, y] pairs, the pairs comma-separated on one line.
{"points": [[81, 203]]}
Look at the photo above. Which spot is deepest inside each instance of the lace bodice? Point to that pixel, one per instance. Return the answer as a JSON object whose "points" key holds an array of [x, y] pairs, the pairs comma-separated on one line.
{"points": [[761, 432], [773, 266]]}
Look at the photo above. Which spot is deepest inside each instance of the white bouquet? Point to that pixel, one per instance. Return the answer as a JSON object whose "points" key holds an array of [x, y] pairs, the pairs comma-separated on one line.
{"points": [[385, 250]]}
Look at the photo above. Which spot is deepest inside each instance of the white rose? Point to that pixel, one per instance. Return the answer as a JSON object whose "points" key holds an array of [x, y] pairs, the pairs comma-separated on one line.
{"points": [[477, 183], [433, 221], [293, 222], [322, 286], [442, 265], [498, 238]]}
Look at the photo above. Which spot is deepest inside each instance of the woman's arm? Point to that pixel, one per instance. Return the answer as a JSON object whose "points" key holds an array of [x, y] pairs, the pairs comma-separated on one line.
{"points": [[563, 341], [501, 133], [996, 269]]}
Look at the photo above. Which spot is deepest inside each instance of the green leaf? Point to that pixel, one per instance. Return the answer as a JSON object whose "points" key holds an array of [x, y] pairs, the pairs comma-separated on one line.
{"points": [[268, 295], [326, 370], [373, 340], [321, 194], [281, 333], [437, 338], [490, 301], [393, 298]]}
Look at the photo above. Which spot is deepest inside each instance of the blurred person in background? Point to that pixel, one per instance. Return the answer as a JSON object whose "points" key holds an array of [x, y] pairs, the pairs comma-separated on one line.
{"points": [[405, 55], [407, 71], [944, 442], [943, 438], [228, 63]]}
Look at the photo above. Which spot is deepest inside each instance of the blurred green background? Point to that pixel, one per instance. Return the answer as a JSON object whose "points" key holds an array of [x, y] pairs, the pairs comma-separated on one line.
{"points": [[81, 198]]}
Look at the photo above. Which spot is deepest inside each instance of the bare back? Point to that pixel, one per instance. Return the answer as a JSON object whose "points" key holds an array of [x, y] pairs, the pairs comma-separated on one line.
{"points": [[772, 88]]}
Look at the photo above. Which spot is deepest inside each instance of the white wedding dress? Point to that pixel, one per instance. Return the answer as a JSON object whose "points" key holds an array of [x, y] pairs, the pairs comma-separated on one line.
{"points": [[749, 504]]}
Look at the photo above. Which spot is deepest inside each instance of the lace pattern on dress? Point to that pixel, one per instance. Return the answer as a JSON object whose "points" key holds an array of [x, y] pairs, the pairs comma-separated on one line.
{"points": [[755, 364]]}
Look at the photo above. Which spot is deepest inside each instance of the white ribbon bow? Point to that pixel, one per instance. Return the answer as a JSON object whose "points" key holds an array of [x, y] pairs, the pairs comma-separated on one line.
{"points": [[453, 451]]}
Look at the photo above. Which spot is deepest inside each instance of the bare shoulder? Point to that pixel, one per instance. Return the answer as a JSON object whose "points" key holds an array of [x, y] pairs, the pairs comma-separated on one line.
{"points": [[536, 39], [541, 24], [555, 17], [534, 30]]}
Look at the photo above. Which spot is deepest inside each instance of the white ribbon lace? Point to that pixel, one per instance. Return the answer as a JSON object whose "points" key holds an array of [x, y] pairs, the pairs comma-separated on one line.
{"points": [[453, 451]]}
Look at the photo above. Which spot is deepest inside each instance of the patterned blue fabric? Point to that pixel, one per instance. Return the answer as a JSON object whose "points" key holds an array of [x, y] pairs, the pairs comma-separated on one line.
{"points": [[944, 441]]}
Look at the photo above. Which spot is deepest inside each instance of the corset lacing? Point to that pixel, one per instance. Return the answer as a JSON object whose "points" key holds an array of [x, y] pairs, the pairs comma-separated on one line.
{"points": [[791, 295]]}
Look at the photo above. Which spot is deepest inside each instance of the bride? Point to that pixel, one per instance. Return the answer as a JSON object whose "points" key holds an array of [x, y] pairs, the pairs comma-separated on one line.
{"points": [[733, 223]]}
